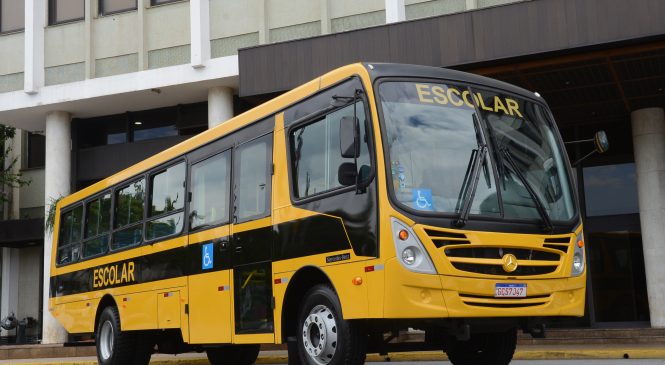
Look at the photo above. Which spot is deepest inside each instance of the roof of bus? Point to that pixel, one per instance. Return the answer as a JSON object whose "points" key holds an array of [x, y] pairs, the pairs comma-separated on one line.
{"points": [[373, 70], [378, 70]]}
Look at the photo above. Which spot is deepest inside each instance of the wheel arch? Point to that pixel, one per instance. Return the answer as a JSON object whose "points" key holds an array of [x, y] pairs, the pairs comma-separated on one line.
{"points": [[106, 301], [303, 280]]}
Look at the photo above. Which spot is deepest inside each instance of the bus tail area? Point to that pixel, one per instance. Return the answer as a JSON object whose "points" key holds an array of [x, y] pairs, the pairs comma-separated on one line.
{"points": [[374, 199]]}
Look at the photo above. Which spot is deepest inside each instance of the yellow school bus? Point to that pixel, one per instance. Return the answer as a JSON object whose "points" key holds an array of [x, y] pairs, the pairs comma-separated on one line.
{"points": [[373, 199]]}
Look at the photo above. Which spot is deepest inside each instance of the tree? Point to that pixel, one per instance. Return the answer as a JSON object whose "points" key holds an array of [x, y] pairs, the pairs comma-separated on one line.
{"points": [[8, 179]]}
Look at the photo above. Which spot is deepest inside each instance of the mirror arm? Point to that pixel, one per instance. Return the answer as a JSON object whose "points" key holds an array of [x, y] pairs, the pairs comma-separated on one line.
{"points": [[584, 158], [579, 141]]}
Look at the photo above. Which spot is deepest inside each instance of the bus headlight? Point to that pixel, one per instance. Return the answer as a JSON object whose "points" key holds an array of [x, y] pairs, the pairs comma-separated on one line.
{"points": [[578, 256], [411, 252]]}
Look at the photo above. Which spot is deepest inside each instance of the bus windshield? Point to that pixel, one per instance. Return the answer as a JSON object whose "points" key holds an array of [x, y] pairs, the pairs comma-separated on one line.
{"points": [[437, 133]]}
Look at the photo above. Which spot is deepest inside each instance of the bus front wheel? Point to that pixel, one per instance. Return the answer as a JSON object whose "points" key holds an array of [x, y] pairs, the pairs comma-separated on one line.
{"points": [[484, 348], [233, 355], [324, 337]]}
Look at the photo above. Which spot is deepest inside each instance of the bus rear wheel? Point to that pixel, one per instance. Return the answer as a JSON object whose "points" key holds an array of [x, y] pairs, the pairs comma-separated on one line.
{"points": [[116, 347], [484, 348], [233, 355], [324, 337]]}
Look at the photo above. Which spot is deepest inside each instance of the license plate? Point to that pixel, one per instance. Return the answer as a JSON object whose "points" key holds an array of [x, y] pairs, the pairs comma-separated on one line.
{"points": [[510, 291]]}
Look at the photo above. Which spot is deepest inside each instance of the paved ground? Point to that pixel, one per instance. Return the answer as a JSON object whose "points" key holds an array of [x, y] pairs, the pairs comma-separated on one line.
{"points": [[537, 355]]}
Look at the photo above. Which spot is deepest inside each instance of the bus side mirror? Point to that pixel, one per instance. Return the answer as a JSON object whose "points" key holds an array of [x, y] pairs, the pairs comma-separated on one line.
{"points": [[601, 145], [601, 142], [346, 174], [348, 144]]}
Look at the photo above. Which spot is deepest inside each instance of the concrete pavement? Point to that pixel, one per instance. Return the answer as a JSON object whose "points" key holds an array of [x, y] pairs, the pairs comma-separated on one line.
{"points": [[549, 352]]}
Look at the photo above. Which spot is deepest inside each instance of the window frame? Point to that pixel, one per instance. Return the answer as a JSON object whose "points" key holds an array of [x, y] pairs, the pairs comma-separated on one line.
{"points": [[114, 203], [85, 239], [154, 3], [148, 198], [10, 31], [102, 12], [235, 172], [64, 211], [316, 116], [229, 202], [51, 16]]}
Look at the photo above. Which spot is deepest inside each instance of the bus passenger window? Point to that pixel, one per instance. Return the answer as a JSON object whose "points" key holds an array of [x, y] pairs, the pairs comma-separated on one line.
{"points": [[254, 160], [210, 191], [315, 150], [70, 236], [97, 226], [129, 214], [167, 200]]}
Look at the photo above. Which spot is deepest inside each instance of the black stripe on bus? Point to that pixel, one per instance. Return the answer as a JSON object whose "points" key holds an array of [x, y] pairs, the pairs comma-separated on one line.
{"points": [[303, 237]]}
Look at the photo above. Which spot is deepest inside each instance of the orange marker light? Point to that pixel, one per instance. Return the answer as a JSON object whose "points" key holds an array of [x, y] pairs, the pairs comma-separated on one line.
{"points": [[403, 235], [580, 244], [357, 280]]}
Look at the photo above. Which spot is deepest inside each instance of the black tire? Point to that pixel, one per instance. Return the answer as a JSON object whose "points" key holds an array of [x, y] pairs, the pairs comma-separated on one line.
{"points": [[484, 348], [321, 326], [114, 347], [234, 354]]}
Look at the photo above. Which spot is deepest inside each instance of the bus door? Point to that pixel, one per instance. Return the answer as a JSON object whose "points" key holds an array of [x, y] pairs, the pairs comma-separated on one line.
{"points": [[252, 240], [210, 215]]}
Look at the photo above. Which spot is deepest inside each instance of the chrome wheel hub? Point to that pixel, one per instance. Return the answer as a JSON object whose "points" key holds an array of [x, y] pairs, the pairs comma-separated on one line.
{"points": [[106, 340], [319, 334]]}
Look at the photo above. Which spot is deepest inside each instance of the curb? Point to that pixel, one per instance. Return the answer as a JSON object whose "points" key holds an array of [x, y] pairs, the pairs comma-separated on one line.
{"points": [[525, 354]]}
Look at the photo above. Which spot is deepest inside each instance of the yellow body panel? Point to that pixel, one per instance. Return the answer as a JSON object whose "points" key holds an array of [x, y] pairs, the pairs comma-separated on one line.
{"points": [[202, 305]]}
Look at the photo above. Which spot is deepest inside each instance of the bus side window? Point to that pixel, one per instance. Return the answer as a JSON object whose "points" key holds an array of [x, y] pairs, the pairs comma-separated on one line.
{"points": [[210, 188], [315, 152], [69, 239], [97, 226], [253, 163], [129, 215], [167, 202]]}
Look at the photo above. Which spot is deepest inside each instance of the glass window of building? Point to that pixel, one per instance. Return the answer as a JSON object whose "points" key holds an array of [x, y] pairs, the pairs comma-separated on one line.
{"points": [[36, 150], [160, 2], [154, 124], [167, 200], [116, 6], [12, 15], [62, 11], [210, 191], [610, 190], [101, 131], [129, 214]]}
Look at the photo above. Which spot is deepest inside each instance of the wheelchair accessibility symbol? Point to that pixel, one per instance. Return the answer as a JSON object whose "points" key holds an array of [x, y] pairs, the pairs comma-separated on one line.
{"points": [[207, 256], [422, 199]]}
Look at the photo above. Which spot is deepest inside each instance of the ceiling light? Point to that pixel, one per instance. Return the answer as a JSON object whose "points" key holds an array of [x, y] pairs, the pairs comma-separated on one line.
{"points": [[137, 123]]}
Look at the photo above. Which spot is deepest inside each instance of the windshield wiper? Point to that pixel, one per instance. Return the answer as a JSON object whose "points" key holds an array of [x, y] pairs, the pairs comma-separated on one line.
{"points": [[473, 181], [548, 227]]}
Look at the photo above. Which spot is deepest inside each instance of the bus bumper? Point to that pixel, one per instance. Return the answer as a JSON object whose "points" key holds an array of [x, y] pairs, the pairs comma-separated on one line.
{"points": [[414, 295]]}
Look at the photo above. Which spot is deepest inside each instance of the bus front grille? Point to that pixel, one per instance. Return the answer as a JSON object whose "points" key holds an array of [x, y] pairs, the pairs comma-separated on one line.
{"points": [[521, 270]]}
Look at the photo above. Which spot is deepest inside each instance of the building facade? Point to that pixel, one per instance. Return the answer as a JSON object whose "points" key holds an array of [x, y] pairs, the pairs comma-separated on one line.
{"points": [[97, 85]]}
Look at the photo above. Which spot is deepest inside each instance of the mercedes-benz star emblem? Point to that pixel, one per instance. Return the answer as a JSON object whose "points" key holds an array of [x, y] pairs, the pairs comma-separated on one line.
{"points": [[509, 262]]}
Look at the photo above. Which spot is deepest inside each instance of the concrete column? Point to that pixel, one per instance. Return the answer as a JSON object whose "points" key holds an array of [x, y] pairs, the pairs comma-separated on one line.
{"points": [[395, 11], [199, 13], [35, 20], [649, 148], [264, 24], [57, 172], [10, 273], [220, 105], [471, 4], [325, 16]]}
